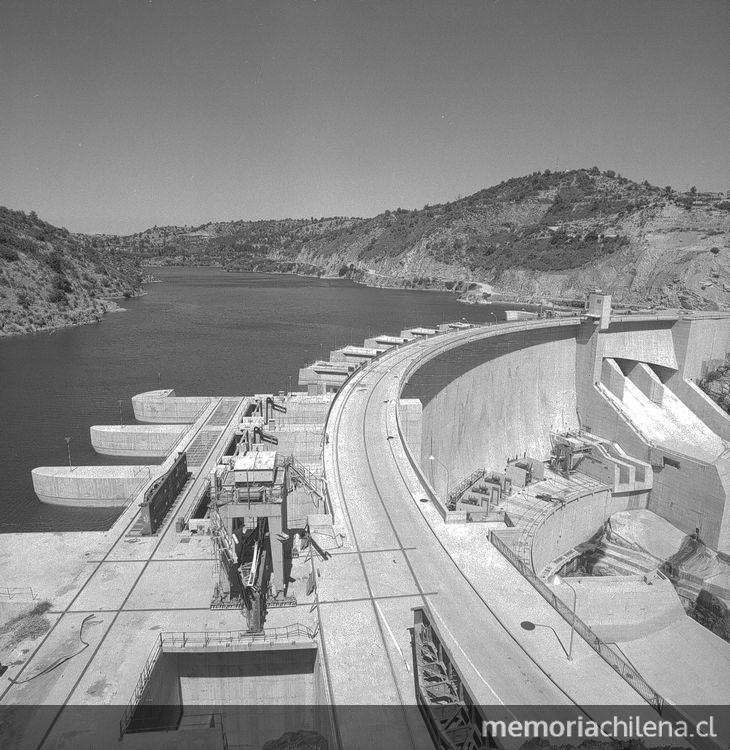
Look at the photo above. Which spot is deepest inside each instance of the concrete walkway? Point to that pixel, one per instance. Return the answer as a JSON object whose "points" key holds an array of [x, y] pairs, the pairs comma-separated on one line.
{"points": [[401, 555]]}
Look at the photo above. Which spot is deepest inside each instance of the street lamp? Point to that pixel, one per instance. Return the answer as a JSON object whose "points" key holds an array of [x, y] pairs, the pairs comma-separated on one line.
{"points": [[441, 463], [68, 448], [556, 580]]}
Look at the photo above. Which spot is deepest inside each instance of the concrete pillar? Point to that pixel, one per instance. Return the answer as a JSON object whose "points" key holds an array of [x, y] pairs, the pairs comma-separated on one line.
{"points": [[588, 370], [646, 380], [277, 554], [613, 378]]}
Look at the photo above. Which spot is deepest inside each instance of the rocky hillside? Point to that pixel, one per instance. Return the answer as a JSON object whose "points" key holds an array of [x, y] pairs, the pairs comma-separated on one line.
{"points": [[51, 278], [546, 235], [716, 385]]}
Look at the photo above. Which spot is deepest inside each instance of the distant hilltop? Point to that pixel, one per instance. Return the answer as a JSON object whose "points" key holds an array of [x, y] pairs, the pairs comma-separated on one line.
{"points": [[546, 235], [50, 278]]}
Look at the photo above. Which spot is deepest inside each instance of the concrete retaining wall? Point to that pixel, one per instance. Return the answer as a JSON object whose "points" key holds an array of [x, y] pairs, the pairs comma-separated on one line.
{"points": [[302, 409], [640, 341], [646, 380], [410, 416], [165, 407], [91, 486], [612, 377], [323, 710], [702, 405], [575, 522], [257, 678], [498, 397], [305, 443], [623, 608], [696, 495], [691, 497], [134, 440], [697, 342], [163, 688]]}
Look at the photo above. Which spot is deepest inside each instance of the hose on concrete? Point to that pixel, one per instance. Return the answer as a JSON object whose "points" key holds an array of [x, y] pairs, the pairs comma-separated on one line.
{"points": [[63, 659]]}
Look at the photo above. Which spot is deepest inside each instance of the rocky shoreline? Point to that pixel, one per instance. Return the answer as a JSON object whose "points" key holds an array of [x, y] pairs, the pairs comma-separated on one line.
{"points": [[69, 319]]}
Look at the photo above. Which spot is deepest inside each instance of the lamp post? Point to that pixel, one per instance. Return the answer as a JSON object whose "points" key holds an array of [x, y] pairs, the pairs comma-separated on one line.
{"points": [[556, 580], [68, 448], [441, 463]]}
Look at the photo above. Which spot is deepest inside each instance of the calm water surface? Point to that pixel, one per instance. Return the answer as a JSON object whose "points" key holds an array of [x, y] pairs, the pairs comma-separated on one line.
{"points": [[201, 332]]}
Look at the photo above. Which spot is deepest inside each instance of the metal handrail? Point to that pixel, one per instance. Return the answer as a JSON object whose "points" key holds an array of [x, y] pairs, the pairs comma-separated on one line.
{"points": [[215, 637], [627, 671], [198, 497], [12, 591], [311, 480], [205, 638], [141, 686], [461, 487]]}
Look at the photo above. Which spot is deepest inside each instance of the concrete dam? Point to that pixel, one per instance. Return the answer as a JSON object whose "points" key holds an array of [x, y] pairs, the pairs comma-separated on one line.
{"points": [[495, 397], [393, 552]]}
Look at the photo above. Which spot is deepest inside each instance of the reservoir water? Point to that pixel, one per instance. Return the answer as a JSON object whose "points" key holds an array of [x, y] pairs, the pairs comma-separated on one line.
{"points": [[201, 332]]}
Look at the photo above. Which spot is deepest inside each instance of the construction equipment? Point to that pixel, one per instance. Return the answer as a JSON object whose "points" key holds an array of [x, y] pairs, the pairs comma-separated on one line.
{"points": [[568, 452], [243, 567]]}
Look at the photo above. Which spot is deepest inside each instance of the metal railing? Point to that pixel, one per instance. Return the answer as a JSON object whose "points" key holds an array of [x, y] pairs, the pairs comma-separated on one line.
{"points": [[205, 488], [141, 686], [311, 481], [146, 472], [207, 638], [614, 660], [461, 487], [11, 592]]}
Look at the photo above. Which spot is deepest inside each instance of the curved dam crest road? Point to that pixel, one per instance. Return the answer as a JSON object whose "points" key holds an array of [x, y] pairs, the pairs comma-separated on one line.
{"points": [[405, 556]]}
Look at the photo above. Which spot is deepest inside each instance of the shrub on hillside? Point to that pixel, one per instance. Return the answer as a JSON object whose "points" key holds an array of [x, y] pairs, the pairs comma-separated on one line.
{"points": [[55, 261], [62, 284], [8, 253]]}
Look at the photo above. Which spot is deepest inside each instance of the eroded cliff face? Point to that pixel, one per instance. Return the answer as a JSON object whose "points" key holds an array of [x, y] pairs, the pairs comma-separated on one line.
{"points": [[539, 236], [667, 255]]}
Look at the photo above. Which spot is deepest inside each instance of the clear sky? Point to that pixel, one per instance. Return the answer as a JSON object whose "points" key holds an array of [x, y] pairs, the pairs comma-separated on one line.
{"points": [[116, 115]]}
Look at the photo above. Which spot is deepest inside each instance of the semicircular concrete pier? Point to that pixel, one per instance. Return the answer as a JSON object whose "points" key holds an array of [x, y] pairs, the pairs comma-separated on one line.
{"points": [[163, 406], [135, 440], [91, 486]]}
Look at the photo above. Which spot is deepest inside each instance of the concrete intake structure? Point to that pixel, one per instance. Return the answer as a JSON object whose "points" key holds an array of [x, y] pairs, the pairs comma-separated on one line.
{"points": [[135, 440], [91, 486], [163, 406]]}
